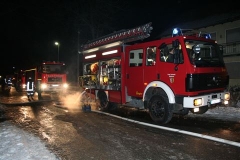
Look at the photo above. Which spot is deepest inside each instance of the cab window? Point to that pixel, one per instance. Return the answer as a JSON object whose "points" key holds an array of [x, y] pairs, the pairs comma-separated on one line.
{"points": [[151, 56]]}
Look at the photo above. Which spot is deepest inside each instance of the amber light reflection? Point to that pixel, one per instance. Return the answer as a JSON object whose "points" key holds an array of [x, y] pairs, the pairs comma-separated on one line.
{"points": [[27, 113]]}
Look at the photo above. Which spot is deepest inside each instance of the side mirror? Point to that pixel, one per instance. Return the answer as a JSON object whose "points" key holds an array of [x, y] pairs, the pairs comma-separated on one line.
{"points": [[176, 54], [196, 49], [175, 45]]}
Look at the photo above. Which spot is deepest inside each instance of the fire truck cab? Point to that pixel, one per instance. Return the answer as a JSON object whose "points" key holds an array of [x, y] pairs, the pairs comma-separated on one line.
{"points": [[20, 82], [49, 76], [173, 75]]}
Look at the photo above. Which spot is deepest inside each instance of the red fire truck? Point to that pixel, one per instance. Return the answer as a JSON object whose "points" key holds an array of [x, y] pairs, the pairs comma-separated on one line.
{"points": [[49, 76], [19, 81], [147, 76]]}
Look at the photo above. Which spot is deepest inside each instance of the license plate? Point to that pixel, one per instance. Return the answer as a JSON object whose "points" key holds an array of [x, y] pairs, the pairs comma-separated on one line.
{"points": [[215, 101]]}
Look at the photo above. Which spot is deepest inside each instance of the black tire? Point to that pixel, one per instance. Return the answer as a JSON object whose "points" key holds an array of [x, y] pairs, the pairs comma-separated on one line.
{"points": [[102, 100], [202, 110], [39, 95], [159, 109]]}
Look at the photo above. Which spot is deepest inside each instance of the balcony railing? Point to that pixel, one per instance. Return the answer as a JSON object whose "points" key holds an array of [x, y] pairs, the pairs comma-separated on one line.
{"points": [[231, 49]]}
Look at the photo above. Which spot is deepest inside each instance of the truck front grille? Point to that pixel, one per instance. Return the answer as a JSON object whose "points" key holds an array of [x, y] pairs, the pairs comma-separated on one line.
{"points": [[55, 79], [197, 82]]}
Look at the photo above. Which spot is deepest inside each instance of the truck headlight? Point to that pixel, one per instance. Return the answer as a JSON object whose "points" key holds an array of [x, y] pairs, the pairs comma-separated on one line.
{"points": [[197, 102], [24, 86], [65, 85], [43, 86], [227, 96]]}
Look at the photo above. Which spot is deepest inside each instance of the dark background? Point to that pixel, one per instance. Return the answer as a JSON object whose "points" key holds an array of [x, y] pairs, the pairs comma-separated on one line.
{"points": [[30, 28]]}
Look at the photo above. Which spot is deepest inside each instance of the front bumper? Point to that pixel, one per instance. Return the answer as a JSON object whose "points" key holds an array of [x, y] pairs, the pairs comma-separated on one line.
{"points": [[206, 100]]}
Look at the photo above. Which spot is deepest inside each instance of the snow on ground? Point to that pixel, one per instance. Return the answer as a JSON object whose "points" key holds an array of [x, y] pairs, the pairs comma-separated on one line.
{"points": [[222, 113], [19, 144]]}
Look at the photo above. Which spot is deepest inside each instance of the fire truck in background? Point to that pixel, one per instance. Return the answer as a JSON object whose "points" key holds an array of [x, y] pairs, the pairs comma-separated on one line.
{"points": [[143, 74], [19, 80], [49, 76]]}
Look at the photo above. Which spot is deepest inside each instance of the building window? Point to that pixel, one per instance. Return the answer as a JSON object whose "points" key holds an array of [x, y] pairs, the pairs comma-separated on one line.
{"points": [[233, 35], [213, 36]]}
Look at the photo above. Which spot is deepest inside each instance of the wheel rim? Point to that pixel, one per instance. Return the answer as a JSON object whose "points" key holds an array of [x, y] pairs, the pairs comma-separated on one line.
{"points": [[157, 109]]}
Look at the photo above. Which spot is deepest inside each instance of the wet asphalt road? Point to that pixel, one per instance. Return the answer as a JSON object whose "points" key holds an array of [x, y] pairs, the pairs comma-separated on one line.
{"points": [[73, 134]]}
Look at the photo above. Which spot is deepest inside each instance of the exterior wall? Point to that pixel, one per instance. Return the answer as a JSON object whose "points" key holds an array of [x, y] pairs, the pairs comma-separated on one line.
{"points": [[231, 60], [220, 30], [233, 69]]}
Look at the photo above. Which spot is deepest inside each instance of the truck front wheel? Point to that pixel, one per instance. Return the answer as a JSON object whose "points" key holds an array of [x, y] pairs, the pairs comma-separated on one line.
{"points": [[160, 110], [39, 95]]}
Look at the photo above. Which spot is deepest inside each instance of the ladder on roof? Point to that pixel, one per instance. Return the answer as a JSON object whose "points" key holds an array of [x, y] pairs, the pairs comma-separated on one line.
{"points": [[129, 35]]}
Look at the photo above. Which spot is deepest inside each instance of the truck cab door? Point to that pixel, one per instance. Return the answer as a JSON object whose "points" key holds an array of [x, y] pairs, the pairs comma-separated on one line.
{"points": [[150, 66], [172, 70]]}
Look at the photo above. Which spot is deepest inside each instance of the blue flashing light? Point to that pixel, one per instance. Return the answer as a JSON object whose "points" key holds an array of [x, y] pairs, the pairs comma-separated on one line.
{"points": [[176, 32], [207, 36]]}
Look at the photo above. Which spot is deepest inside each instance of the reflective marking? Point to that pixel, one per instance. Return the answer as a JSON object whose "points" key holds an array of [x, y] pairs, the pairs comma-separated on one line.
{"points": [[176, 130], [215, 101]]}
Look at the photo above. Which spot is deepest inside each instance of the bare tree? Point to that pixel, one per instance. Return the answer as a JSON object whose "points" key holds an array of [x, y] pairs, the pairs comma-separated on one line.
{"points": [[93, 18]]}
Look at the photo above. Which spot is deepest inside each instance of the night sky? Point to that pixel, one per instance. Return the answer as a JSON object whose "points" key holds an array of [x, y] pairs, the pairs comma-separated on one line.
{"points": [[30, 28]]}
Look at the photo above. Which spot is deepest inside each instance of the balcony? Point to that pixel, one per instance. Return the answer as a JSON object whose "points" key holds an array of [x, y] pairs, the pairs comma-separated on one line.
{"points": [[231, 49]]}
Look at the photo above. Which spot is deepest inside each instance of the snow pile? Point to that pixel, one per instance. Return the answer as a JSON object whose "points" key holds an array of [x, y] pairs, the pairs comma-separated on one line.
{"points": [[222, 113], [18, 144]]}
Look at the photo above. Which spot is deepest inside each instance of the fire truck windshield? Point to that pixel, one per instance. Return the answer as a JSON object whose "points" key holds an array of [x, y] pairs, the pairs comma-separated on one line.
{"points": [[204, 54], [53, 68]]}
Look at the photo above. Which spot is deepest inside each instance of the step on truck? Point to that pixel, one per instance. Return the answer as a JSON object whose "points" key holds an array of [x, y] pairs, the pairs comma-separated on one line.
{"points": [[173, 75]]}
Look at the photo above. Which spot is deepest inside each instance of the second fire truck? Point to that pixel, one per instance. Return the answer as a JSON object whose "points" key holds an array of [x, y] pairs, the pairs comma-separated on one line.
{"points": [[49, 76], [19, 82], [143, 75]]}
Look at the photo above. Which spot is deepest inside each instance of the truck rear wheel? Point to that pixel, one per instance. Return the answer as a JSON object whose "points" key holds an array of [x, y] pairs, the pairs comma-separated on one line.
{"points": [[160, 110], [39, 95], [103, 103], [102, 100]]}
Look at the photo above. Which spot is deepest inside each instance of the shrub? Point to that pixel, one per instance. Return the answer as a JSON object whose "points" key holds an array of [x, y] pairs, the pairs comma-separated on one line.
{"points": [[234, 95]]}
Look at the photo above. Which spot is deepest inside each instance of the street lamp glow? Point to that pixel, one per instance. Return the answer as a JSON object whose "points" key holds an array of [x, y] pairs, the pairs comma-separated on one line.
{"points": [[57, 44]]}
